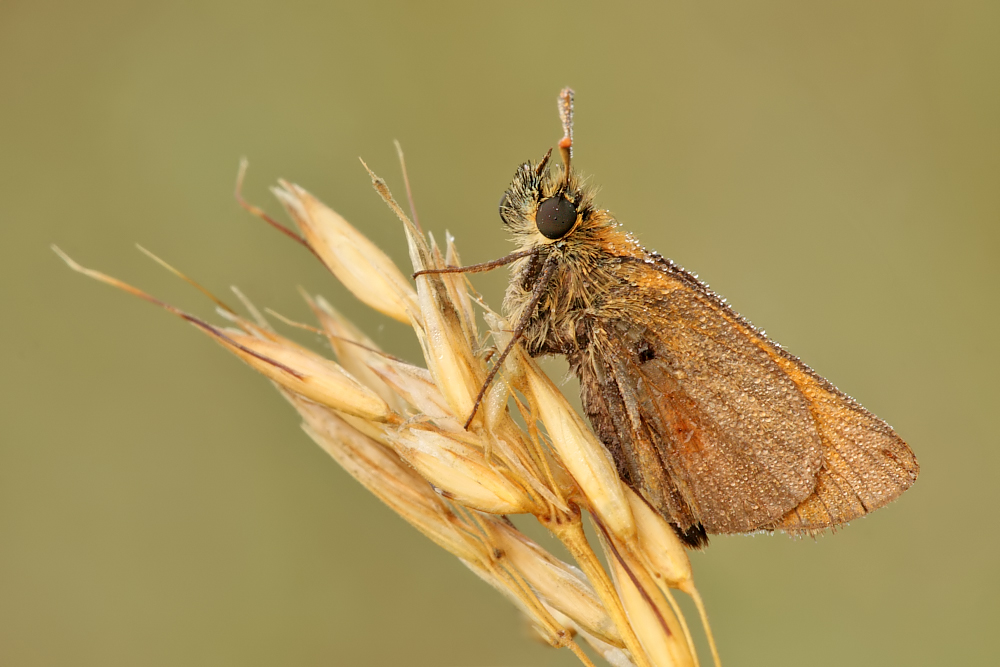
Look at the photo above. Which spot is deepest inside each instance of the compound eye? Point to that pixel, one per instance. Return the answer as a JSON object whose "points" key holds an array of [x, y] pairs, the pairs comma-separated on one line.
{"points": [[555, 217]]}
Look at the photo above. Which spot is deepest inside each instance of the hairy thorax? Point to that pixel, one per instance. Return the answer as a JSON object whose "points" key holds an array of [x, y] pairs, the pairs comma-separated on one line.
{"points": [[578, 293]]}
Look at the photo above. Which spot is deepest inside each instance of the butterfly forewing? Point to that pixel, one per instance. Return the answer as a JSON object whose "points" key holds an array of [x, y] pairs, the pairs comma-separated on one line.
{"points": [[865, 464], [714, 424]]}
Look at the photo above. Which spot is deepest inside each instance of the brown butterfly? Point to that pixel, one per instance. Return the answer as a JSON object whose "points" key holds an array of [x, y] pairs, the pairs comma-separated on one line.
{"points": [[716, 426]]}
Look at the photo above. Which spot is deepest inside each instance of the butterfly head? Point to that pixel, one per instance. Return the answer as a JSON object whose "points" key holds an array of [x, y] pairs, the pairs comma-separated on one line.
{"points": [[543, 206], [547, 205]]}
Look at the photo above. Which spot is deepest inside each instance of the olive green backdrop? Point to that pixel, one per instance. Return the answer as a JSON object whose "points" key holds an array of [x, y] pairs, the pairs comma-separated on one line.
{"points": [[833, 170]]}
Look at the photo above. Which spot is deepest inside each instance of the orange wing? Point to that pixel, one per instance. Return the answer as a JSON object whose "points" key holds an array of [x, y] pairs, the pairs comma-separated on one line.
{"points": [[716, 425]]}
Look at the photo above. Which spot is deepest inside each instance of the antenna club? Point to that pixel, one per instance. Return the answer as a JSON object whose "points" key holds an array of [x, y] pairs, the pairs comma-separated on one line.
{"points": [[566, 116]]}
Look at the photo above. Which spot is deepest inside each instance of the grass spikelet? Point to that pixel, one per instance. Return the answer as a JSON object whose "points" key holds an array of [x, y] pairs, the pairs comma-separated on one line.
{"points": [[397, 427]]}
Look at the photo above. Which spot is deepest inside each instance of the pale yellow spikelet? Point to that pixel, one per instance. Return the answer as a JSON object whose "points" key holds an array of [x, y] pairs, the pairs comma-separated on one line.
{"points": [[457, 288], [416, 386], [442, 330], [308, 374], [386, 476], [616, 656], [357, 262], [399, 429], [650, 615], [448, 355], [659, 544], [560, 585], [460, 471], [355, 351], [535, 611], [581, 453]]}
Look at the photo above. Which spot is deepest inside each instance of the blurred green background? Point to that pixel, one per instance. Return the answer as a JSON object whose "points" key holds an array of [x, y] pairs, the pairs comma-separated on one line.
{"points": [[833, 170]]}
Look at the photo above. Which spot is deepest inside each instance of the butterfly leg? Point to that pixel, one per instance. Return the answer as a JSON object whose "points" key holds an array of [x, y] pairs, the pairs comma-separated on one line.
{"points": [[479, 268], [529, 309]]}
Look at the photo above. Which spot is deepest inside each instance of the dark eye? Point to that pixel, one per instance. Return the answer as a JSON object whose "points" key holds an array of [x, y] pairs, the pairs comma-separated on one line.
{"points": [[555, 217]]}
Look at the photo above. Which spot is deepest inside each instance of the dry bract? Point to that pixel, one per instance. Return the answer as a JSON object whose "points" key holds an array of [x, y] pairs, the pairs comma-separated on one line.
{"points": [[308, 374], [357, 262], [653, 621], [659, 544], [560, 585], [446, 352], [382, 473], [579, 450], [357, 353], [415, 385], [460, 471], [397, 428]]}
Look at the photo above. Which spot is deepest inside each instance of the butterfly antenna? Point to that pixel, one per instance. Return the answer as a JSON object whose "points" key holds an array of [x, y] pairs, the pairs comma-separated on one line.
{"points": [[566, 116]]}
